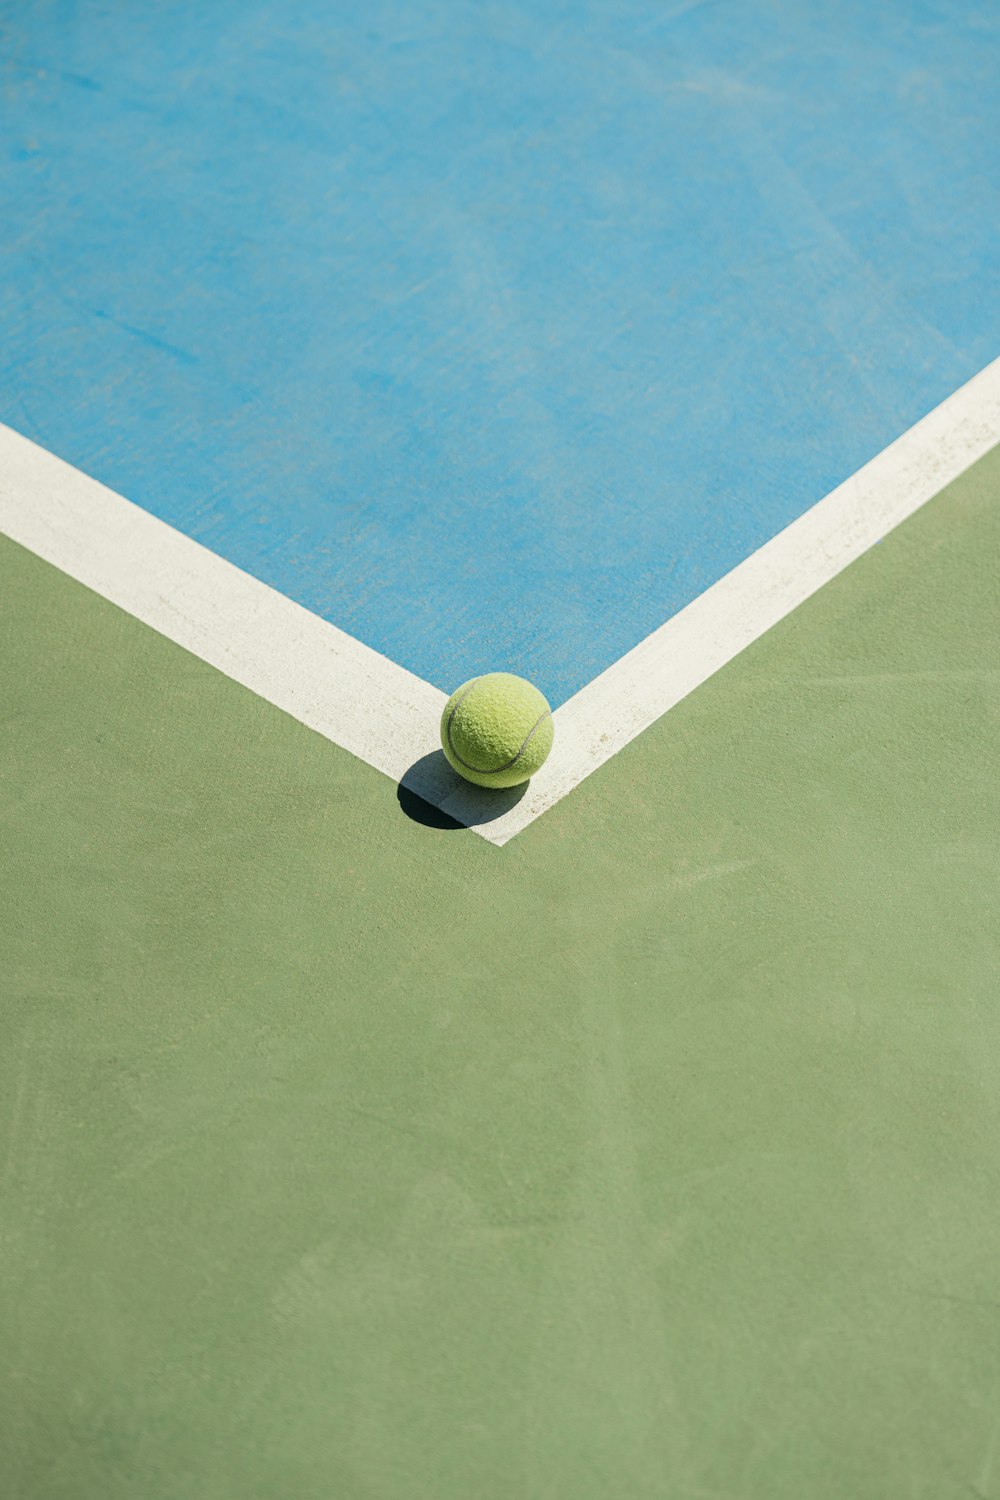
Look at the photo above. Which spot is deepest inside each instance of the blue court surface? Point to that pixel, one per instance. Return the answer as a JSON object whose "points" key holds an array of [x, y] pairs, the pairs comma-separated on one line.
{"points": [[492, 333]]}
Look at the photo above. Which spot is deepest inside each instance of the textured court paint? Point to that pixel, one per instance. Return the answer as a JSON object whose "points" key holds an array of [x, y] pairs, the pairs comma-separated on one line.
{"points": [[673, 661], [323, 677], [656, 1156], [555, 312], [384, 714]]}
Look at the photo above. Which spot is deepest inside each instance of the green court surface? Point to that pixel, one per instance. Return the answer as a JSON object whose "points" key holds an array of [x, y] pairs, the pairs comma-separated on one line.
{"points": [[656, 1154]]}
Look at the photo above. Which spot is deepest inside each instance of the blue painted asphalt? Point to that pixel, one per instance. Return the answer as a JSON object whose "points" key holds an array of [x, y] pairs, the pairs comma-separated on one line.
{"points": [[492, 332]]}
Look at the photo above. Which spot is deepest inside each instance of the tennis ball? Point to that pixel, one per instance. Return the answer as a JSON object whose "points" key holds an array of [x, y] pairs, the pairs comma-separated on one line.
{"points": [[496, 730]]}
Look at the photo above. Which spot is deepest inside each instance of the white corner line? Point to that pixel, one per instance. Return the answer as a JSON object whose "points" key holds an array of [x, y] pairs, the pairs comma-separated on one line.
{"points": [[389, 717], [678, 657], [281, 651]]}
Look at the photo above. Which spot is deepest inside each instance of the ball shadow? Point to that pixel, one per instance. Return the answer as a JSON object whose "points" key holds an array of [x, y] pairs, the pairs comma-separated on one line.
{"points": [[421, 811], [430, 783]]}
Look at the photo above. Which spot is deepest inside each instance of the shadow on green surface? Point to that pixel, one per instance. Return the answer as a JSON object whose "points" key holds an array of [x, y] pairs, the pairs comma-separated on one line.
{"points": [[430, 781]]}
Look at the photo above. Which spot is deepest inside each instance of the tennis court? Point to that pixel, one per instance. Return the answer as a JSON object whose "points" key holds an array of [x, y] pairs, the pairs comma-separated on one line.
{"points": [[365, 1134]]}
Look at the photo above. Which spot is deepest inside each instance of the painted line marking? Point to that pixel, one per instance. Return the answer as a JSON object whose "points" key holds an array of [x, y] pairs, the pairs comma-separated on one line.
{"points": [[678, 657], [315, 672], [387, 716]]}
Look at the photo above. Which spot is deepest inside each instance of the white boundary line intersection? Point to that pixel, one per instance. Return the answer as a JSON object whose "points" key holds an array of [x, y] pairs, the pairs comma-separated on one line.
{"points": [[388, 717]]}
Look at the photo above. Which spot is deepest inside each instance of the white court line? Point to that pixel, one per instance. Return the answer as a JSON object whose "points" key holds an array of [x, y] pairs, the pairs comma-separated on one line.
{"points": [[315, 672], [675, 659], [387, 716]]}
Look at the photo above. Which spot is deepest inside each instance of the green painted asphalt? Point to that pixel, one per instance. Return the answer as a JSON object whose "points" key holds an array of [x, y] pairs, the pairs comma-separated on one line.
{"points": [[654, 1155]]}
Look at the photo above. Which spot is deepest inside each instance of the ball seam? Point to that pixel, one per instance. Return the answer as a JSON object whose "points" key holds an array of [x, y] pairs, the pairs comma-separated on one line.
{"points": [[493, 770]]}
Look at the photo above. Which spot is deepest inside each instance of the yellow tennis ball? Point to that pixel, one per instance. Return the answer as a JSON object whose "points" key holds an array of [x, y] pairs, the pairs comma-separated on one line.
{"points": [[497, 730]]}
